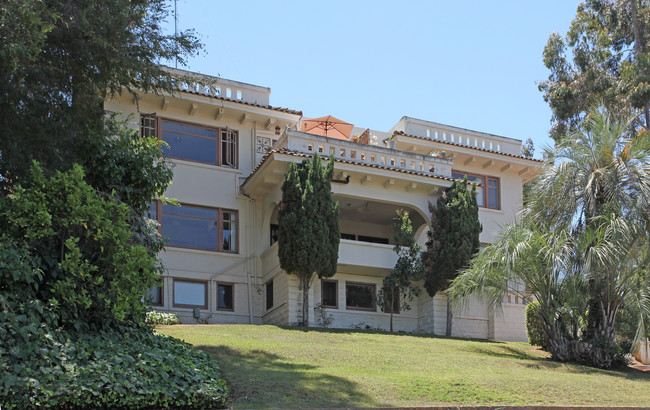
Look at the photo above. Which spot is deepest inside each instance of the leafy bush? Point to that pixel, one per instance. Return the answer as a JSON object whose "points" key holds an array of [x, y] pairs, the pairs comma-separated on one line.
{"points": [[89, 263], [127, 367], [71, 312], [534, 326], [161, 318]]}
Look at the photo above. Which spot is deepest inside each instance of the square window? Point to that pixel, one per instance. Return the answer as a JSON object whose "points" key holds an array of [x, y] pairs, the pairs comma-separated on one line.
{"points": [[154, 296], [269, 294], [360, 296], [329, 294], [190, 294], [225, 296]]}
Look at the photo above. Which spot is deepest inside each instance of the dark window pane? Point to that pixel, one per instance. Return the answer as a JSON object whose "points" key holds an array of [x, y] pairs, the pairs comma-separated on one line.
{"points": [[152, 213], [395, 302], [493, 193], [480, 194], [224, 297], [189, 129], [360, 296], [329, 290], [373, 239], [274, 233], [148, 126], [185, 228], [269, 295], [229, 231], [190, 211], [190, 147], [154, 296]]}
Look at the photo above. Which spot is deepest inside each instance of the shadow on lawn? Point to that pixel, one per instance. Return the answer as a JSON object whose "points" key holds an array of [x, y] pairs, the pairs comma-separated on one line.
{"points": [[548, 363], [383, 332], [261, 379]]}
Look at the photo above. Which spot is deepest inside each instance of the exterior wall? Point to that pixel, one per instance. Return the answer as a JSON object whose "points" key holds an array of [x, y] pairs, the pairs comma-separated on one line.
{"points": [[404, 179], [279, 313], [214, 186], [643, 353], [510, 323], [406, 321], [456, 135]]}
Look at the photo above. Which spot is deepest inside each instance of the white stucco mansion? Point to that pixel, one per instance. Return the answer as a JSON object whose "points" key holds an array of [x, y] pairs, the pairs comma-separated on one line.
{"points": [[231, 151]]}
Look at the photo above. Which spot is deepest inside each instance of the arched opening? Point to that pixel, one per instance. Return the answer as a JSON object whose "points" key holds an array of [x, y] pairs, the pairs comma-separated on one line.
{"points": [[372, 221]]}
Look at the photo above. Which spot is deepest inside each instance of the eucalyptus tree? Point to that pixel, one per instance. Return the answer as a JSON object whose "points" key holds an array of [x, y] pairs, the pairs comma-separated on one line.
{"points": [[604, 58], [581, 248]]}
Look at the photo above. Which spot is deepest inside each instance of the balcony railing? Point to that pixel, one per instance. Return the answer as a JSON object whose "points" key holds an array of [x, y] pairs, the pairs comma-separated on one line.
{"points": [[366, 153]]}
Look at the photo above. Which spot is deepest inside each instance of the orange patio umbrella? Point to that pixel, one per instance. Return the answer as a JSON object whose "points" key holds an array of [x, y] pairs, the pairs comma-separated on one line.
{"points": [[328, 127]]}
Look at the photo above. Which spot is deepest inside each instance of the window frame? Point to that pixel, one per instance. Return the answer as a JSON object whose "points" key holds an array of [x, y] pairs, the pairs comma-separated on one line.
{"points": [[183, 305], [374, 296], [232, 137], [220, 211], [485, 186], [232, 286], [336, 293], [161, 294], [267, 293]]}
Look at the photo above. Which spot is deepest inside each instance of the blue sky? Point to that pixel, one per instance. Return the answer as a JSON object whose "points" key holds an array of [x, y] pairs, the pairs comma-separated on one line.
{"points": [[471, 64]]}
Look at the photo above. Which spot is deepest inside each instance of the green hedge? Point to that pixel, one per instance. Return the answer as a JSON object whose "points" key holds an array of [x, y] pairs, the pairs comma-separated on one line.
{"points": [[534, 327], [44, 366]]}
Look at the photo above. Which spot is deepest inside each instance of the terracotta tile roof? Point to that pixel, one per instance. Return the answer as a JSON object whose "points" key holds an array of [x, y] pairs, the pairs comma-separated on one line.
{"points": [[269, 107], [465, 146], [286, 151]]}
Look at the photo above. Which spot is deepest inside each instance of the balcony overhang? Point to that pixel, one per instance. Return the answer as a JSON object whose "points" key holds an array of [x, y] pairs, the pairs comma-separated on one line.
{"points": [[271, 172], [489, 161]]}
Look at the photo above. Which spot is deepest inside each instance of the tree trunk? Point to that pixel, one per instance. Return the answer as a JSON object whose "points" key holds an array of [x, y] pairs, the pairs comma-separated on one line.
{"points": [[392, 307], [305, 300], [450, 318]]}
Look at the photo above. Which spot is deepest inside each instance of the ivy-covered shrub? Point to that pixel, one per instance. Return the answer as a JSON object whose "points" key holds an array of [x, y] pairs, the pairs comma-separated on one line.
{"points": [[44, 367], [161, 318], [72, 332], [534, 326]]}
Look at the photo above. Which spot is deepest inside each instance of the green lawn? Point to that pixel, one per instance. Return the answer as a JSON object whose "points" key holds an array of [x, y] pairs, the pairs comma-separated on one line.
{"points": [[269, 366]]}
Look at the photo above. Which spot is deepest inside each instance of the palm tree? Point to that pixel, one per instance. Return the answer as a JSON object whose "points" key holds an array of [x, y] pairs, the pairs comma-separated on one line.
{"points": [[581, 248]]}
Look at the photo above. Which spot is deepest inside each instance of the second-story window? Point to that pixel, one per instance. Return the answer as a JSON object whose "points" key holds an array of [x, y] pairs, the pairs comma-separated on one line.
{"points": [[487, 195], [198, 227], [217, 146]]}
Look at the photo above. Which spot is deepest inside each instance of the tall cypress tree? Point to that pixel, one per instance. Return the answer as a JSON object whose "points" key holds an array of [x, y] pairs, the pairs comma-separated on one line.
{"points": [[309, 231], [452, 240]]}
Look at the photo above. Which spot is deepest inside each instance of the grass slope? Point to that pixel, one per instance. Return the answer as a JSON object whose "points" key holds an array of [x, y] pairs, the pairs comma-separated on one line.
{"points": [[269, 366]]}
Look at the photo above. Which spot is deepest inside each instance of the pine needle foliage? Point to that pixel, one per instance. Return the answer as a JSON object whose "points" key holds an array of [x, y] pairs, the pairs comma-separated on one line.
{"points": [[454, 236]]}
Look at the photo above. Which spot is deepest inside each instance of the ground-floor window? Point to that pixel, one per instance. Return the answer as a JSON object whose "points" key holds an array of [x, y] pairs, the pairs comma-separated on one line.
{"points": [[329, 294], [154, 296], [269, 294], [388, 307], [188, 293], [225, 296], [360, 296]]}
